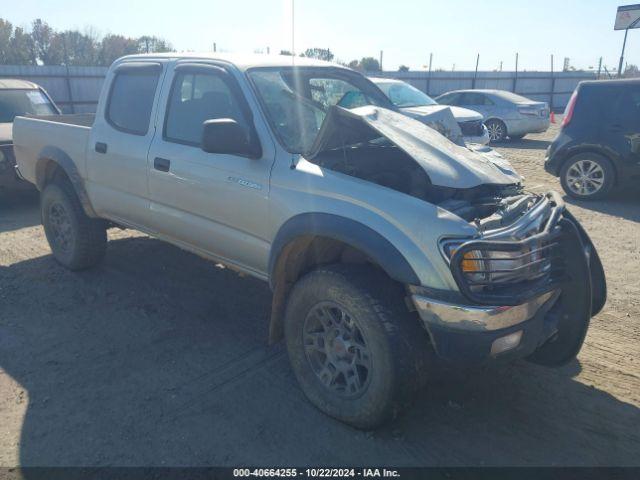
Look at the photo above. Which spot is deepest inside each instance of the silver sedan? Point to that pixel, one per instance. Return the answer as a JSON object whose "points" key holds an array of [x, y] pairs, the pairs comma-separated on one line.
{"points": [[506, 114]]}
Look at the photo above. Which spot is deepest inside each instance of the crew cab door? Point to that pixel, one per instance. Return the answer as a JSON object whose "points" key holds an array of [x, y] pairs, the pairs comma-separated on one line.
{"points": [[119, 142], [213, 203]]}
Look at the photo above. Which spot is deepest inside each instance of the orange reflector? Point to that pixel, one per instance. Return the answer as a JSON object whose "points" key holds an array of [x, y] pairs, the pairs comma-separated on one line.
{"points": [[470, 263]]}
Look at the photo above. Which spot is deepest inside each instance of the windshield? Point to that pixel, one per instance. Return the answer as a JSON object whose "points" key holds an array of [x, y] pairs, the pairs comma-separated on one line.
{"points": [[22, 102], [296, 100], [404, 95]]}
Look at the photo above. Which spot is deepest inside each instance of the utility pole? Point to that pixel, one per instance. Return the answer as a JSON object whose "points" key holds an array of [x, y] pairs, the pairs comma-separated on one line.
{"points": [[293, 31], [214, 47], [599, 68], [624, 44], [380, 60], [475, 75], [515, 77], [429, 74]]}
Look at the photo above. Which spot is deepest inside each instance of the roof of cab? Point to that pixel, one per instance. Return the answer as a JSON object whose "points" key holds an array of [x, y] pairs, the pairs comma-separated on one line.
{"points": [[15, 84], [240, 61]]}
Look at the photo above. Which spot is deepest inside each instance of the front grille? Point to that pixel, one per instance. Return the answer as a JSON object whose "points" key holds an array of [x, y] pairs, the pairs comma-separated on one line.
{"points": [[473, 128], [499, 272]]}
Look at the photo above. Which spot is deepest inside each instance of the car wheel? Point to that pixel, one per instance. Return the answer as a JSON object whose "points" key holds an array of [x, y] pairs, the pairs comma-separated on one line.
{"points": [[587, 176], [497, 130], [76, 240], [356, 351]]}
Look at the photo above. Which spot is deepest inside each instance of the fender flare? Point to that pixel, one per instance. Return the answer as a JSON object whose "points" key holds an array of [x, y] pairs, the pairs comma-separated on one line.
{"points": [[60, 157], [348, 231]]}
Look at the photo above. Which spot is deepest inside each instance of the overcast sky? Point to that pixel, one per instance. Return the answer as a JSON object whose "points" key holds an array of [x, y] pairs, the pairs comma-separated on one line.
{"points": [[407, 30]]}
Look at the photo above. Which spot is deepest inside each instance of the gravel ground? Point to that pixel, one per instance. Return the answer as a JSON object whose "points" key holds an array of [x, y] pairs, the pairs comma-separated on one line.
{"points": [[158, 357]]}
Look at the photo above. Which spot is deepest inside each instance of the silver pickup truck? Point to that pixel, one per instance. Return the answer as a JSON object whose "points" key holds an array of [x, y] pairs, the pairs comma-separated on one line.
{"points": [[389, 249]]}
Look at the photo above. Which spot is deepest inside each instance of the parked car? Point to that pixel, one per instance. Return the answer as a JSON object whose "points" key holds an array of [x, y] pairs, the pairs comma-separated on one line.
{"points": [[418, 104], [387, 246], [598, 146], [18, 97], [506, 114]]}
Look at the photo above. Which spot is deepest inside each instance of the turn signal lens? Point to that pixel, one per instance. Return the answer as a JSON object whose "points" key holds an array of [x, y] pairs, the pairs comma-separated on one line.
{"points": [[471, 262]]}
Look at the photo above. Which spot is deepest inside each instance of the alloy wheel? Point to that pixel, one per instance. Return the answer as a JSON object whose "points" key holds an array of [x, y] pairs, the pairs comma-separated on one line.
{"points": [[337, 350], [496, 131], [585, 177]]}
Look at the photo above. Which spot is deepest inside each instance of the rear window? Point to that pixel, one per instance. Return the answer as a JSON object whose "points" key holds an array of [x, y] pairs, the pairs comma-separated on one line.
{"points": [[23, 102], [510, 96], [131, 100]]}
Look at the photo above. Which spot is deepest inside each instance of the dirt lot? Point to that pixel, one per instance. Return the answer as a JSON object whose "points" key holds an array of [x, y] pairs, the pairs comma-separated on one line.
{"points": [[158, 357]]}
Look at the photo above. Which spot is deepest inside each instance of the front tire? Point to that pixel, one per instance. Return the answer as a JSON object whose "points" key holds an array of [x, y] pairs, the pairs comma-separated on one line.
{"points": [[356, 351], [76, 240], [497, 130], [587, 176]]}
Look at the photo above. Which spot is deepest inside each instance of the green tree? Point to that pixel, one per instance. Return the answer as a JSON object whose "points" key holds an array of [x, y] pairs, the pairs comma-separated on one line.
{"points": [[6, 33], [22, 51], [370, 64], [403, 68], [286, 52], [149, 44], [113, 47], [366, 64], [319, 53], [46, 47], [77, 48]]}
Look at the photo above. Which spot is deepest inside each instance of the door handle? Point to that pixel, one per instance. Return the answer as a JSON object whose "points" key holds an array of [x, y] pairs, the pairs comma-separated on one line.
{"points": [[161, 164], [101, 147]]}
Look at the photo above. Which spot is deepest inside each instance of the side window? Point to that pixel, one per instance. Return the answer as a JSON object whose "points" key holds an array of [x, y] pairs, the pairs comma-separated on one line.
{"points": [[131, 100], [196, 97], [450, 99], [471, 98]]}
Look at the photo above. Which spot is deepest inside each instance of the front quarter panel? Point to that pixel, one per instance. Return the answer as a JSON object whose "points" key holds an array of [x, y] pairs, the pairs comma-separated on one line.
{"points": [[412, 226]]}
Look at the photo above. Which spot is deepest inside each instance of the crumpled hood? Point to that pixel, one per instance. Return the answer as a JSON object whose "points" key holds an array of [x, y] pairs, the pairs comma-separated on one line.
{"points": [[6, 132], [459, 114], [447, 164]]}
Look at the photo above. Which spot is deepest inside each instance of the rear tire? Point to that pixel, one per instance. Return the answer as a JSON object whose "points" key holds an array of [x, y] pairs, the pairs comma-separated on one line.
{"points": [[356, 351], [587, 176], [76, 240], [497, 130]]}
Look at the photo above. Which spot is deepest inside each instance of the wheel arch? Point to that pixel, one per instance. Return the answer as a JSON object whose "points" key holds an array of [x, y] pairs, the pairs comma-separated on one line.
{"points": [[312, 239], [53, 160]]}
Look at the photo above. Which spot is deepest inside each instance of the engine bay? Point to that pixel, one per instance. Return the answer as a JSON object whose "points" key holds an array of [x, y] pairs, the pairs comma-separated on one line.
{"points": [[383, 163]]}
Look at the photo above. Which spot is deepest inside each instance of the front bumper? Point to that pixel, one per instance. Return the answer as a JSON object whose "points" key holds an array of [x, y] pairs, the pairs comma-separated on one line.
{"points": [[517, 318], [471, 335]]}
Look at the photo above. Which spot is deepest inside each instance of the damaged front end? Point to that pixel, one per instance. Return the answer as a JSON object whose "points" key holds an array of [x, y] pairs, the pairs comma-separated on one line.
{"points": [[542, 272], [529, 281], [398, 152]]}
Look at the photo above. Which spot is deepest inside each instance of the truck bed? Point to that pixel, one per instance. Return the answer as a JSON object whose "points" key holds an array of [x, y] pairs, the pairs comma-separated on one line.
{"points": [[38, 136]]}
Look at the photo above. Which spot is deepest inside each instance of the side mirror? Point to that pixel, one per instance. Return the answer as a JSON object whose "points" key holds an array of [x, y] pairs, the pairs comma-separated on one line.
{"points": [[225, 135]]}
